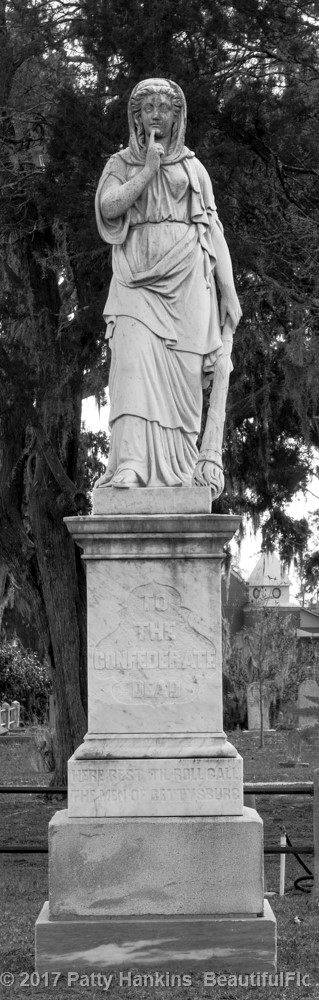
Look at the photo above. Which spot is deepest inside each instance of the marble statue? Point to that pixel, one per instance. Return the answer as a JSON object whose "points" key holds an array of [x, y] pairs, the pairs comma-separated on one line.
{"points": [[155, 205]]}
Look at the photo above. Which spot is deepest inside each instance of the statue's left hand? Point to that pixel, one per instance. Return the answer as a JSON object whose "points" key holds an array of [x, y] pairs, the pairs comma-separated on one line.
{"points": [[208, 473], [230, 306]]}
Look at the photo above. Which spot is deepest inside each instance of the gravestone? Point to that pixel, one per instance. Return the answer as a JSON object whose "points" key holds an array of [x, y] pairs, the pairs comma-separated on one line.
{"points": [[253, 706], [156, 863], [308, 703]]}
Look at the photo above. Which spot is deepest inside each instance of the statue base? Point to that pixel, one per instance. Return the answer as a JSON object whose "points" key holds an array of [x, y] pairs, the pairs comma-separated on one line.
{"points": [[143, 500]]}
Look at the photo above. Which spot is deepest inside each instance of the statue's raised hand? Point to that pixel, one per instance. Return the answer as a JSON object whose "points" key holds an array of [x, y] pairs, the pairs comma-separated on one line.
{"points": [[153, 155]]}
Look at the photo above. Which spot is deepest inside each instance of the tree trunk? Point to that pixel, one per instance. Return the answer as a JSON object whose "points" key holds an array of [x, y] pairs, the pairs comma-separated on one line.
{"points": [[59, 569], [261, 709], [47, 568], [19, 560]]}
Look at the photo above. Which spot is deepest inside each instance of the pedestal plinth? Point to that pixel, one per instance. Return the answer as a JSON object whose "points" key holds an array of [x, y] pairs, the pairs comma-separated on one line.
{"points": [[155, 826], [155, 865]]}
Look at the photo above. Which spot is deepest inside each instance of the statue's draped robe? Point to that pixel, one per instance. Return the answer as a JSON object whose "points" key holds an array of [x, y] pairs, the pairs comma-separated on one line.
{"points": [[161, 316]]}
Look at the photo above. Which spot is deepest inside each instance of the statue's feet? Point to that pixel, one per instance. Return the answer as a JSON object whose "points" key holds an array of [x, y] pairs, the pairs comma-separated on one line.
{"points": [[102, 481], [127, 479]]}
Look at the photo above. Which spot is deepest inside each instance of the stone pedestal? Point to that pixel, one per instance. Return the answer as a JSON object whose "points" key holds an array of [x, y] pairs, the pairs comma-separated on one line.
{"points": [[156, 861]]}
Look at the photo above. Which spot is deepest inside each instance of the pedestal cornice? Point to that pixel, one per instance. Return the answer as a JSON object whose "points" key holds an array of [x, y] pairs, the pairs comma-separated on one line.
{"points": [[145, 536]]}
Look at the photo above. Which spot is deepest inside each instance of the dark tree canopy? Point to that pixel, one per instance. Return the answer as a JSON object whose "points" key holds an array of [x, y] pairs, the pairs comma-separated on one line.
{"points": [[250, 72]]}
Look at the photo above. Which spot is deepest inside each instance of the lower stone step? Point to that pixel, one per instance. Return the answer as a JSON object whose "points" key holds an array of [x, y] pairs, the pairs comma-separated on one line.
{"points": [[230, 943]]}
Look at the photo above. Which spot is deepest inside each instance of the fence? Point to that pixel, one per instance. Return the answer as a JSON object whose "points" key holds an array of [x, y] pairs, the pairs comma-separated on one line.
{"points": [[9, 716], [250, 788]]}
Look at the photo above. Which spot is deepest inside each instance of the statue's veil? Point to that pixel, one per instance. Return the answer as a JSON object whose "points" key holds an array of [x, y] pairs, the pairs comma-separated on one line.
{"points": [[137, 136]]}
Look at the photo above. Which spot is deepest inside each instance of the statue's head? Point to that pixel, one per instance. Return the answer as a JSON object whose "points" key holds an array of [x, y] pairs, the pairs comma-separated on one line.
{"points": [[171, 95]]}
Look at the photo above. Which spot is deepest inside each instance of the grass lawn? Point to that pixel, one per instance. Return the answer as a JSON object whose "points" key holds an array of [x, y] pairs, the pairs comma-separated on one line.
{"points": [[24, 884]]}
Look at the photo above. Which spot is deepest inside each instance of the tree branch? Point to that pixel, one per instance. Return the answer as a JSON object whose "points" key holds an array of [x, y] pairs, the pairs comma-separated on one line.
{"points": [[247, 408], [67, 487]]}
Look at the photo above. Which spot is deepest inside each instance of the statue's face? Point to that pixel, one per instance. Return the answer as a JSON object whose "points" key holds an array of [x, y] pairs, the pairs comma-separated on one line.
{"points": [[157, 112]]}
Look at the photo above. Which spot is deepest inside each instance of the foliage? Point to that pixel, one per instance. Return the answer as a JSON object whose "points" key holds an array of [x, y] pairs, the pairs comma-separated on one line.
{"points": [[234, 700], [234, 705], [251, 90], [266, 653], [23, 678], [250, 73], [311, 574], [93, 452], [309, 657], [309, 568], [290, 535]]}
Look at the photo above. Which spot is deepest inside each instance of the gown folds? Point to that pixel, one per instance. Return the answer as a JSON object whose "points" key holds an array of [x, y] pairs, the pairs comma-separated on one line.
{"points": [[162, 316]]}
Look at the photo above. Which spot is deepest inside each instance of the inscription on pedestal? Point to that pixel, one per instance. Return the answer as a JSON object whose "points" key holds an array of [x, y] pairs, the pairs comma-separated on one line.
{"points": [[204, 787], [159, 656]]}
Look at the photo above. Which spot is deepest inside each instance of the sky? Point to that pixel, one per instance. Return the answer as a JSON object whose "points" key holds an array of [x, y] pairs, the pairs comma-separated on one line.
{"points": [[248, 554]]}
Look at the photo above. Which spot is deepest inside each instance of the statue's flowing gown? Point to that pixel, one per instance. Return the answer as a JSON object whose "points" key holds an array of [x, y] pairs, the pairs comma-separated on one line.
{"points": [[161, 317]]}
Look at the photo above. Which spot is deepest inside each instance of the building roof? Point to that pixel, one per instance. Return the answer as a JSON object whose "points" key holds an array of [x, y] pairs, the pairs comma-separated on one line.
{"points": [[268, 572]]}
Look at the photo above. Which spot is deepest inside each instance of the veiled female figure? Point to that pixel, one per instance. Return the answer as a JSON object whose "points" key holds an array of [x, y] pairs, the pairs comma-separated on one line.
{"points": [[155, 204]]}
